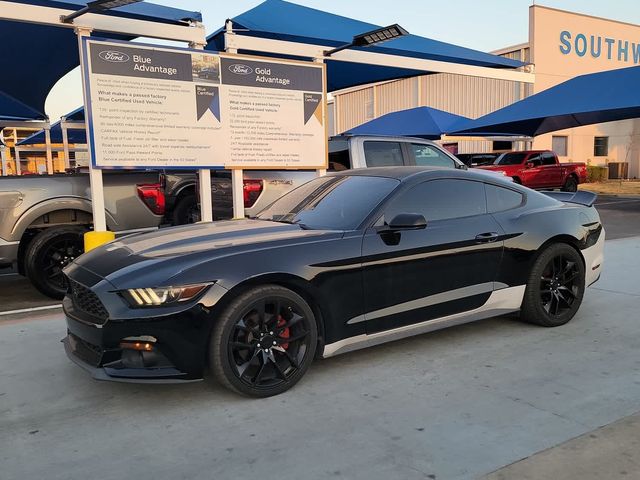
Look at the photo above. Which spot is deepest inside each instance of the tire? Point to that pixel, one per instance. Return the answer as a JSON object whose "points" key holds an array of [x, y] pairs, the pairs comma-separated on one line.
{"points": [[48, 253], [186, 210], [517, 180], [555, 287], [570, 184], [290, 339]]}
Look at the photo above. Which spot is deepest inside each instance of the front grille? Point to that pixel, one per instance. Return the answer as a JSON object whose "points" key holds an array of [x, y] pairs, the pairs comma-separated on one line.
{"points": [[88, 302]]}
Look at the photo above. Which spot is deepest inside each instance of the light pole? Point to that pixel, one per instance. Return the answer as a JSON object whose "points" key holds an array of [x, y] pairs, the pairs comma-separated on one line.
{"points": [[97, 6], [373, 37]]}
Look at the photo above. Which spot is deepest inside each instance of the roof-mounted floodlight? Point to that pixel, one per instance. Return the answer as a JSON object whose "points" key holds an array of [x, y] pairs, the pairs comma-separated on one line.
{"points": [[372, 38], [97, 6]]}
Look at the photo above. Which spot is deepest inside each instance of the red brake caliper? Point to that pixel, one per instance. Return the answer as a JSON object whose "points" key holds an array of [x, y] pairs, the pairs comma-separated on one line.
{"points": [[285, 333]]}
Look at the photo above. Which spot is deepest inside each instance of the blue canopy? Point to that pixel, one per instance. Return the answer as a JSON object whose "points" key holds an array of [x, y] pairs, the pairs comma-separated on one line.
{"points": [[280, 20], [14, 110], [584, 100], [424, 122], [49, 52], [74, 135]]}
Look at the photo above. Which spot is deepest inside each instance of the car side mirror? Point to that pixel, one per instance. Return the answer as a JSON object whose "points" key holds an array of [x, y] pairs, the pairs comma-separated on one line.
{"points": [[529, 164], [407, 221]]}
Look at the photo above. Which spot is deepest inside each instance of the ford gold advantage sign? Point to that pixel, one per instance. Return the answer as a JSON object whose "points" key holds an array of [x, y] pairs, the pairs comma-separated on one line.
{"points": [[178, 108]]}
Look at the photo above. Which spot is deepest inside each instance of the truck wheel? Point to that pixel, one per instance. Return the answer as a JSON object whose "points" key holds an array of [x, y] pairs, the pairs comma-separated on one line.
{"points": [[517, 180], [186, 211], [48, 253], [570, 185]]}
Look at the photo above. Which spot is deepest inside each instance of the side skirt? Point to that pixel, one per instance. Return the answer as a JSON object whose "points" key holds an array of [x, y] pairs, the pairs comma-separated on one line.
{"points": [[501, 302]]}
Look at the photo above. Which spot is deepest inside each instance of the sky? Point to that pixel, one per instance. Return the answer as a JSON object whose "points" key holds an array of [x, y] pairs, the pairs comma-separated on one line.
{"points": [[480, 24]]}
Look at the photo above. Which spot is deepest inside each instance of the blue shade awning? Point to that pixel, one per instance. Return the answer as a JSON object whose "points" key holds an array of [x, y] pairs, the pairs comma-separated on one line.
{"points": [[584, 100], [14, 110], [74, 135], [45, 53], [423, 122], [280, 20]]}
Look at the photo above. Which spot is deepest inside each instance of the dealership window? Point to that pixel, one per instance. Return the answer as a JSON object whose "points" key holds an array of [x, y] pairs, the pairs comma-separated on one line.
{"points": [[502, 146], [559, 145], [600, 146]]}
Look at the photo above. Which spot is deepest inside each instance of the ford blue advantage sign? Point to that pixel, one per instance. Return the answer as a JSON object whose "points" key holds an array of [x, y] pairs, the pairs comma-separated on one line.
{"points": [[596, 46], [161, 107]]}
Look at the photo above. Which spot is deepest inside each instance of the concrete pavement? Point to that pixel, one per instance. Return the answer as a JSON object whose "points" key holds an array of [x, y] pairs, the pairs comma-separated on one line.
{"points": [[455, 404]]}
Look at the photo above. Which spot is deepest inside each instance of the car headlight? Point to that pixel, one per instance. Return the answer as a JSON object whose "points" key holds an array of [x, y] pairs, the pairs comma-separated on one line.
{"points": [[161, 296]]}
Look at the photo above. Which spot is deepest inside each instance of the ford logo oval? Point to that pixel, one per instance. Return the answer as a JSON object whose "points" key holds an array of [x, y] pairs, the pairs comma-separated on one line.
{"points": [[114, 56], [240, 69]]}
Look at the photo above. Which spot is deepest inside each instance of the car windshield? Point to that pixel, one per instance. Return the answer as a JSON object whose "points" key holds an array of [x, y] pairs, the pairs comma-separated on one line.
{"points": [[330, 203], [514, 158]]}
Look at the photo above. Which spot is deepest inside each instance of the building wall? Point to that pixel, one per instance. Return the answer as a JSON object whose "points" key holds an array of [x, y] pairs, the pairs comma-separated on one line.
{"points": [[565, 45], [552, 49]]}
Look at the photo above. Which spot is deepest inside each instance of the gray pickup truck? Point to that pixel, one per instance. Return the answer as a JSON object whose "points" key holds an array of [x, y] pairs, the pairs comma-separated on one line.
{"points": [[262, 187], [43, 219]]}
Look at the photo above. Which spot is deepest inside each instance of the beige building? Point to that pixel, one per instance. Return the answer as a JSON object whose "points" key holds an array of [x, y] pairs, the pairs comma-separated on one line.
{"points": [[561, 45]]}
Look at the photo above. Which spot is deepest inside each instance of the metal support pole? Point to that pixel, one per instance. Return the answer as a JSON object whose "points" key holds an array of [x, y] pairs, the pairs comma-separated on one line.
{"points": [[65, 143], [237, 175], [321, 172], [3, 158], [47, 137], [95, 174], [15, 151], [204, 177]]}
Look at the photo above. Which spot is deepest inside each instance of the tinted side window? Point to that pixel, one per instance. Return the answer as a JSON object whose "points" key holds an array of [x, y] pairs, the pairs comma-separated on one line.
{"points": [[428, 156], [500, 199], [548, 159], [535, 159], [339, 157], [383, 154], [440, 199]]}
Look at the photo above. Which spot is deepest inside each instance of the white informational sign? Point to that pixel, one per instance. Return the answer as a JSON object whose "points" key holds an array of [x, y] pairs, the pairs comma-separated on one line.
{"points": [[159, 107]]}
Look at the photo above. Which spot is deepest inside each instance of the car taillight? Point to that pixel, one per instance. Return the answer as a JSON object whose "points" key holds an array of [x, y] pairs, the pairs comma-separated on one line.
{"points": [[251, 191], [152, 195]]}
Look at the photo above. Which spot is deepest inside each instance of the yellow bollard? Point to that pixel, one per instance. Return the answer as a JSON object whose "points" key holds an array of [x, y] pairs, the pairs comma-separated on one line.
{"points": [[95, 239]]}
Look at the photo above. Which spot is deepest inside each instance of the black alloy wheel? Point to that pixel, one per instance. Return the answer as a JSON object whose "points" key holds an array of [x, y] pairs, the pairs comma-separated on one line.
{"points": [[186, 211], [264, 342], [48, 253], [555, 288]]}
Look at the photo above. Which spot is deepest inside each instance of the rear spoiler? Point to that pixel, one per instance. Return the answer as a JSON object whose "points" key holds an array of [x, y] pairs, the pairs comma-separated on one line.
{"points": [[580, 197]]}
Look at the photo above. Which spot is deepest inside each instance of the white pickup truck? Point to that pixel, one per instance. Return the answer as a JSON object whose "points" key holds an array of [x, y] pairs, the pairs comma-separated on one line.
{"points": [[262, 187]]}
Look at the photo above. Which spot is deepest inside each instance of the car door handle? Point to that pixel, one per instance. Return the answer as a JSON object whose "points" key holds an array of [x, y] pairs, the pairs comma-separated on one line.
{"points": [[487, 237]]}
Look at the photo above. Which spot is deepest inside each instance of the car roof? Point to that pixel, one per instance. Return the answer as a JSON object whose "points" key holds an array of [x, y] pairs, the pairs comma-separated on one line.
{"points": [[406, 173]]}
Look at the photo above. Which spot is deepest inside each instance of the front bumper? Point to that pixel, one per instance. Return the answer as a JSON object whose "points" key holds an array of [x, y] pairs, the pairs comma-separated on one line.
{"points": [[178, 354]]}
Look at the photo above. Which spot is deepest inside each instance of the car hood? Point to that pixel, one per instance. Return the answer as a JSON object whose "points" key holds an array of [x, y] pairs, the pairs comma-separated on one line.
{"points": [[165, 253]]}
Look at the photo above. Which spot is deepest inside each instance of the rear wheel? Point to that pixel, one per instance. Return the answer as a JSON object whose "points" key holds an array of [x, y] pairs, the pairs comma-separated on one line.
{"points": [[48, 253], [570, 184], [555, 287], [186, 211], [264, 342]]}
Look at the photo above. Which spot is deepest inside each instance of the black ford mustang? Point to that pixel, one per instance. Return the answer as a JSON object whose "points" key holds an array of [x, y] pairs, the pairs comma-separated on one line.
{"points": [[343, 262]]}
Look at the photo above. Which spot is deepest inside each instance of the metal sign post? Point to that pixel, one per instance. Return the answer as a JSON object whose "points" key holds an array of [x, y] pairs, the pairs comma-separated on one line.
{"points": [[47, 139], [237, 175], [3, 158], [65, 142], [100, 234]]}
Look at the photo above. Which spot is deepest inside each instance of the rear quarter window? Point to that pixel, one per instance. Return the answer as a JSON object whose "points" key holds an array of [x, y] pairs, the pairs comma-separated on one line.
{"points": [[500, 199]]}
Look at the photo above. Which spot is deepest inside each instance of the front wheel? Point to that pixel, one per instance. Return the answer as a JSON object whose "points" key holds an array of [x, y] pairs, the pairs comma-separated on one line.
{"points": [[263, 342], [48, 253], [555, 287]]}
